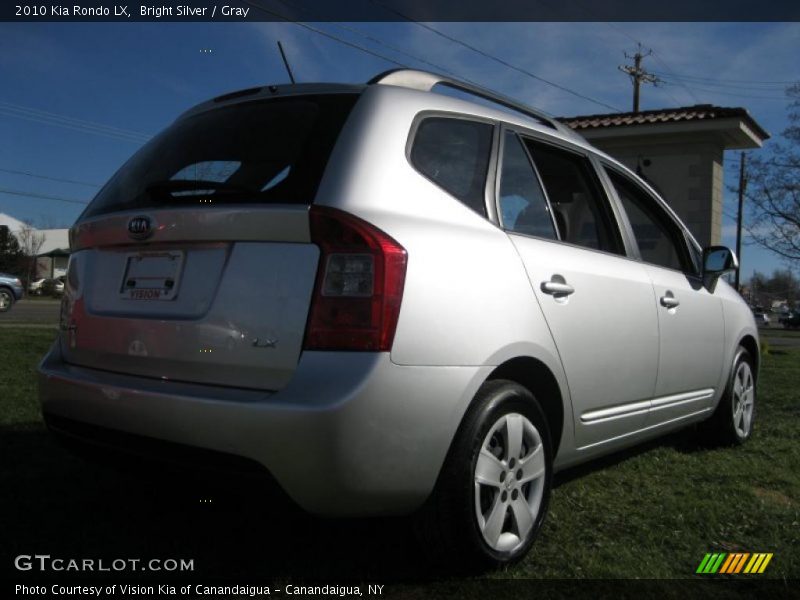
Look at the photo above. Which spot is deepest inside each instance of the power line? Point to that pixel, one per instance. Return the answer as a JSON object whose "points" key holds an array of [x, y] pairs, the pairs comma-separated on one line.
{"points": [[391, 60], [437, 67], [732, 81], [68, 126], [42, 196], [356, 46], [595, 17], [496, 59], [71, 126], [671, 73], [322, 33], [351, 44], [732, 94], [516, 68], [734, 86], [369, 37], [638, 75], [49, 118], [27, 174], [378, 41], [658, 58], [683, 85], [82, 122]]}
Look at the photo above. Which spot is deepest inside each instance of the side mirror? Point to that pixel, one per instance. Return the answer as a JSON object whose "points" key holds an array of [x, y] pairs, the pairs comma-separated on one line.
{"points": [[717, 260]]}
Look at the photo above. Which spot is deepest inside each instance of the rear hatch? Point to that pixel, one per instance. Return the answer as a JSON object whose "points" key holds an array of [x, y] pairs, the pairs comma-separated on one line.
{"points": [[195, 263]]}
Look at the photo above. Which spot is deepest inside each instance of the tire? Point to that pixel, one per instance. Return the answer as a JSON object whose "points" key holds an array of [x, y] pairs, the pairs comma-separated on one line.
{"points": [[6, 299], [482, 514], [732, 421]]}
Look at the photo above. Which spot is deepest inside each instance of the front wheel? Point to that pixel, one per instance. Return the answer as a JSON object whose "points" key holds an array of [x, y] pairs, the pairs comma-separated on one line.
{"points": [[732, 421], [492, 494], [6, 300]]}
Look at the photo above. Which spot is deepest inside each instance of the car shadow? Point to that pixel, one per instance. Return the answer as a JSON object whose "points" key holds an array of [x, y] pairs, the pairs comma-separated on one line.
{"points": [[685, 441], [58, 504]]}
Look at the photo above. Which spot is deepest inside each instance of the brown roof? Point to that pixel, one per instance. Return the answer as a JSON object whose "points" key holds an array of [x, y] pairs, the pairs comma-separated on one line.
{"points": [[699, 112]]}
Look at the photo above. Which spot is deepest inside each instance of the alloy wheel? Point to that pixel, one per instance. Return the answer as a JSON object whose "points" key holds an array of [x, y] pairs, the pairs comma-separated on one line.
{"points": [[509, 482], [743, 399]]}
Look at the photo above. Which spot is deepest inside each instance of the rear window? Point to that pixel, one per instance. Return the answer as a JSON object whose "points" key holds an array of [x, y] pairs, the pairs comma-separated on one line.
{"points": [[454, 154], [270, 151]]}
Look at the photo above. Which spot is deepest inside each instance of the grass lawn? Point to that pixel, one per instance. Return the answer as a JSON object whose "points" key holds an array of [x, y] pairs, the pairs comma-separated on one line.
{"points": [[779, 332], [652, 512]]}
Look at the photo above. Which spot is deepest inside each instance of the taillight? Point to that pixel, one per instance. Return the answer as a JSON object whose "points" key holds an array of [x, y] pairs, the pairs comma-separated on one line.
{"points": [[359, 284]]}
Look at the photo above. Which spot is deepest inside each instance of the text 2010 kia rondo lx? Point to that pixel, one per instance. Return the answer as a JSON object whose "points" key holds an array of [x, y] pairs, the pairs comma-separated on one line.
{"points": [[392, 300]]}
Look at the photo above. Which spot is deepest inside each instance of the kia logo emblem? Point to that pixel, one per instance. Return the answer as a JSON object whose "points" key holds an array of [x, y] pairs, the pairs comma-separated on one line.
{"points": [[140, 227]]}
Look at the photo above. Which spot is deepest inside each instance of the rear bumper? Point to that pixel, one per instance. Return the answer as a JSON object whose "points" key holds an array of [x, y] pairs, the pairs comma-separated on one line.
{"points": [[352, 433], [18, 292]]}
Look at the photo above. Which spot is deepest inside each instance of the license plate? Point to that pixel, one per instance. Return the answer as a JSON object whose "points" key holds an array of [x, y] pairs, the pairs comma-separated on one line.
{"points": [[152, 275]]}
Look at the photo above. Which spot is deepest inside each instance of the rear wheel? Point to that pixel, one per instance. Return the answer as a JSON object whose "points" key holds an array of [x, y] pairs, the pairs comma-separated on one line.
{"points": [[6, 299], [732, 422], [493, 491]]}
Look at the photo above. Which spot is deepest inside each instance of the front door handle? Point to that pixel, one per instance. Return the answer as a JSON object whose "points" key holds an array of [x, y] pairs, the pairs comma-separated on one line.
{"points": [[557, 288], [669, 301]]}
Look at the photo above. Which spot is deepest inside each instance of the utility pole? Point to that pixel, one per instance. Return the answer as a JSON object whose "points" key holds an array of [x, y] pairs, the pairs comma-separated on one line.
{"points": [[638, 75], [742, 186]]}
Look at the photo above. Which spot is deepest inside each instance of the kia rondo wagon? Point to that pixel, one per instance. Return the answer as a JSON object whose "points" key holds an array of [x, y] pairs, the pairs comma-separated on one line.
{"points": [[394, 301]]}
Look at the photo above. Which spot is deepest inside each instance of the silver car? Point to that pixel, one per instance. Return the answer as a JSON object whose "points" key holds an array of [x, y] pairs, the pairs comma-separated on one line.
{"points": [[11, 290], [394, 301]]}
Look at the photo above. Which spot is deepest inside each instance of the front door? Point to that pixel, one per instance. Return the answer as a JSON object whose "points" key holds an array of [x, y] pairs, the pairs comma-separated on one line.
{"points": [[690, 318]]}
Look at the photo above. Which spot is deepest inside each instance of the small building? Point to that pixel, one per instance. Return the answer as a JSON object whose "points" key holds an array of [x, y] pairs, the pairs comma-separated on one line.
{"points": [[53, 263], [52, 255], [679, 151]]}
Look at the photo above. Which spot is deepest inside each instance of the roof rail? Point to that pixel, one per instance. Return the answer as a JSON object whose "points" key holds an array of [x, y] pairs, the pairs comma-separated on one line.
{"points": [[425, 81]]}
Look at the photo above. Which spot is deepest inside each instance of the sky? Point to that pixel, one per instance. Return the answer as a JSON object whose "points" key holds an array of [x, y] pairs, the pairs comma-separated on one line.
{"points": [[77, 99]]}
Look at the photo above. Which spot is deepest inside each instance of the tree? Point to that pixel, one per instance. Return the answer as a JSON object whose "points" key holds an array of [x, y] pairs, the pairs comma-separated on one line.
{"points": [[782, 286], [12, 258], [773, 191], [30, 242]]}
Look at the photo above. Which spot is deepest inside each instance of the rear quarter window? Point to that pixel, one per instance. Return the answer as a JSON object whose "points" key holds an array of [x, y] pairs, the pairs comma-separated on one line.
{"points": [[454, 154]]}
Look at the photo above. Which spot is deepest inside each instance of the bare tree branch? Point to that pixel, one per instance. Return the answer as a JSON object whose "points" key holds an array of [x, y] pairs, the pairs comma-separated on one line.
{"points": [[774, 191], [30, 242]]}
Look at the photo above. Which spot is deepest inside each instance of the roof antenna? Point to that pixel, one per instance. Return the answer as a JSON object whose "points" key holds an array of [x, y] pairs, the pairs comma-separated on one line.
{"points": [[286, 62]]}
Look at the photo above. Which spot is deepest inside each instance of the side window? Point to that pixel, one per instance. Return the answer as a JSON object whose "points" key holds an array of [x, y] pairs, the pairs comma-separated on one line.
{"points": [[521, 202], [579, 205], [454, 154], [660, 240]]}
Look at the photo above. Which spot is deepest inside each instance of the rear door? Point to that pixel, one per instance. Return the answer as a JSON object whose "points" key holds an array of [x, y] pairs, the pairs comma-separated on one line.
{"points": [[689, 316], [195, 263], [598, 303]]}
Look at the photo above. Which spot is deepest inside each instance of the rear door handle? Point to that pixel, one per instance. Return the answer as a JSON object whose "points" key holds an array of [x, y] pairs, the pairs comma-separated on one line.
{"points": [[669, 301], [557, 288]]}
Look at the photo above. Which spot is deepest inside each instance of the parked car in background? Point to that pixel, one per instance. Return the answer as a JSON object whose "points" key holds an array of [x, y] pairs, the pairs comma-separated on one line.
{"points": [[793, 321], [762, 319], [53, 287], [11, 290], [394, 301], [35, 286]]}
